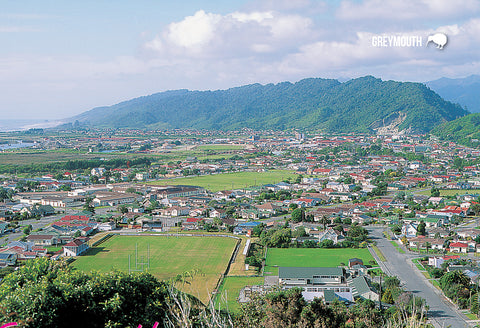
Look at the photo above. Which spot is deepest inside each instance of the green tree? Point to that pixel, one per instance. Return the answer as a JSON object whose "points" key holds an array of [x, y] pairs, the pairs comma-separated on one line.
{"points": [[88, 206], [45, 293], [300, 232], [298, 215], [421, 228], [280, 238], [387, 297], [28, 229]]}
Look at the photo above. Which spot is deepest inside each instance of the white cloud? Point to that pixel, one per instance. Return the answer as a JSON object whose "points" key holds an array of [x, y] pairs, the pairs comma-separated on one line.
{"points": [[196, 30], [407, 9], [238, 34]]}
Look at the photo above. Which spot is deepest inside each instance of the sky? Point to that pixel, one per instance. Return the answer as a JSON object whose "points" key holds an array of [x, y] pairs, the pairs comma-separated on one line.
{"points": [[61, 58]]}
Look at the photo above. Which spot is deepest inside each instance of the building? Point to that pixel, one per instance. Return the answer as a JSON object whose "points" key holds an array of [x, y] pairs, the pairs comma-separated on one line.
{"points": [[75, 248], [43, 240], [317, 282]]}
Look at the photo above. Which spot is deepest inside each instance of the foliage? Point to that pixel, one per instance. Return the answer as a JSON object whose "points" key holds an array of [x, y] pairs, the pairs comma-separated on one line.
{"points": [[310, 103], [421, 229], [45, 293], [464, 130], [298, 215]]}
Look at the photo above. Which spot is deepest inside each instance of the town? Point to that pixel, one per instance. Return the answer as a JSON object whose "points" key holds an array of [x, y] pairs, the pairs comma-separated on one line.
{"points": [[323, 213]]}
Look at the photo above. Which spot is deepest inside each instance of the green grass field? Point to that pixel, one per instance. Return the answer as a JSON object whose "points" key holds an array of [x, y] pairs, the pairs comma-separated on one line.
{"points": [[227, 181], [312, 257], [220, 147], [229, 291], [452, 192], [169, 256]]}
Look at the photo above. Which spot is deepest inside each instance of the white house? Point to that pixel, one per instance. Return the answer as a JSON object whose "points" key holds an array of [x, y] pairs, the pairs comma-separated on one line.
{"points": [[75, 248]]}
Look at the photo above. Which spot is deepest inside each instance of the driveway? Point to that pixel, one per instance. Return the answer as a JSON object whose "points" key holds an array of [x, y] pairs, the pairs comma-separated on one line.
{"points": [[400, 265]]}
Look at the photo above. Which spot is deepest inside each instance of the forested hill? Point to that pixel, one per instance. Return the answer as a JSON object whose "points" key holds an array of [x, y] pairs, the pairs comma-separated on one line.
{"points": [[465, 130], [359, 105]]}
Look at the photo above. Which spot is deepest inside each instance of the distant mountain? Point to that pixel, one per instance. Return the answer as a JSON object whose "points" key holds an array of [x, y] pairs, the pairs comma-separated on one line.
{"points": [[464, 130], [465, 92], [365, 104]]}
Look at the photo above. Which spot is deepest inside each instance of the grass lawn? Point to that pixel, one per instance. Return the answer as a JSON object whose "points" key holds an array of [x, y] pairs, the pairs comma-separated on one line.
{"points": [[418, 264], [426, 274], [471, 316], [399, 249], [169, 256], [227, 181], [230, 289], [312, 257], [379, 254]]}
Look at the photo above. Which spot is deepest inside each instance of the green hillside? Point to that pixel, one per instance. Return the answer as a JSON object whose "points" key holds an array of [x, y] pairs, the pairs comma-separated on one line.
{"points": [[354, 106], [464, 130]]}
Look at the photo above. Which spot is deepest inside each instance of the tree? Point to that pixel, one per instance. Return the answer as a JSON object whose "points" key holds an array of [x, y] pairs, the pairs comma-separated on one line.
{"points": [[387, 297], [298, 214], [89, 205], [327, 243], [475, 208], [357, 233], [392, 282], [107, 175], [71, 296], [456, 277], [421, 228], [123, 209], [324, 220], [28, 229], [434, 192], [300, 232], [3, 193], [280, 238]]}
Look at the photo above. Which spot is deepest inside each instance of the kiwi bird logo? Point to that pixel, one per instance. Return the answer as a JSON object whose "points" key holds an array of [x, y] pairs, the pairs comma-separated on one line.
{"points": [[439, 39]]}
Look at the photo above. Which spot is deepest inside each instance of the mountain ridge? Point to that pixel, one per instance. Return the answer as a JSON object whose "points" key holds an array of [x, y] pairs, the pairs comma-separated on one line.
{"points": [[464, 91], [314, 103]]}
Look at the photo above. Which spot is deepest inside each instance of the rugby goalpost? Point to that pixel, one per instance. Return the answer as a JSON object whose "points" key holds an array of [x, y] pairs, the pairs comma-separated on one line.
{"points": [[140, 264]]}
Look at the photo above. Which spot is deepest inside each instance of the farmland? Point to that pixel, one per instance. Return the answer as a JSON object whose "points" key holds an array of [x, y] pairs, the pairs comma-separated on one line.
{"points": [[169, 256]]}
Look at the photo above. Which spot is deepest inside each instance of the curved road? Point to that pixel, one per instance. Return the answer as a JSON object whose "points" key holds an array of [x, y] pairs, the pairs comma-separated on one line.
{"points": [[400, 265]]}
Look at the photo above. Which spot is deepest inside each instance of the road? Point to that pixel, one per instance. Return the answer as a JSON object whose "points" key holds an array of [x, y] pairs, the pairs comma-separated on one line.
{"points": [[440, 309]]}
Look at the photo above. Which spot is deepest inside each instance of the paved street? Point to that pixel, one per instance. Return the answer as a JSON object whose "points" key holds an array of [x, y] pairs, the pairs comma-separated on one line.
{"points": [[400, 265]]}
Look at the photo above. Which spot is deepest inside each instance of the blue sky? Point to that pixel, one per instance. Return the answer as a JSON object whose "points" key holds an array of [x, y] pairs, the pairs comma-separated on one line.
{"points": [[60, 58]]}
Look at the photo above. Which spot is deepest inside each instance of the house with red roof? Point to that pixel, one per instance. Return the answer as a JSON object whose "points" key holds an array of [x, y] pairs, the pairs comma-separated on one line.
{"points": [[459, 247]]}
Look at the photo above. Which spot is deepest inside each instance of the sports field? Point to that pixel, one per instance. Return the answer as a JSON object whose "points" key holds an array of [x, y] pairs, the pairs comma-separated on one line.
{"points": [[169, 256], [453, 192], [312, 257], [227, 181]]}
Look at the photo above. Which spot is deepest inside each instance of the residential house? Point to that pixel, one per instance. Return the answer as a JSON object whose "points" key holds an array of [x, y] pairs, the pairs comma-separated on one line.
{"points": [[332, 235], [459, 247], [107, 226], [8, 259], [43, 240], [218, 213], [361, 288]]}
